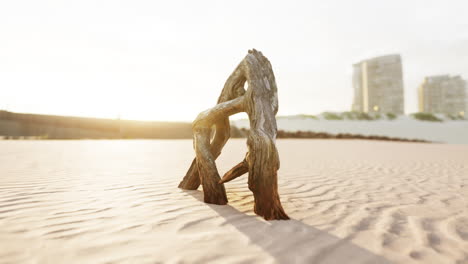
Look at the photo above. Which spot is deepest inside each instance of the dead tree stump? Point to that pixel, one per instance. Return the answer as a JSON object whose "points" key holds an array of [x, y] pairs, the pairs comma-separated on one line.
{"points": [[260, 102]]}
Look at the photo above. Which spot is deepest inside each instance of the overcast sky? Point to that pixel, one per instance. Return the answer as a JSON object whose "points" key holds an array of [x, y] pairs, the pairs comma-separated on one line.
{"points": [[168, 60]]}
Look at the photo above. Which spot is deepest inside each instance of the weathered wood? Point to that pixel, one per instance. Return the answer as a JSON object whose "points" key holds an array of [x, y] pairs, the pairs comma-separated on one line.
{"points": [[233, 88], [261, 105], [260, 102], [237, 171], [191, 181], [213, 191]]}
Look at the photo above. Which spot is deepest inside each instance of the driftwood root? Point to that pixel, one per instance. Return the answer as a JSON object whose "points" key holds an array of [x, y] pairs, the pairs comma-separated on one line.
{"points": [[260, 102]]}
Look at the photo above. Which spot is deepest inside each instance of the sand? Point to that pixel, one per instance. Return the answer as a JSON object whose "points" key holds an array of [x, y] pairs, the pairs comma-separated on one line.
{"points": [[117, 202]]}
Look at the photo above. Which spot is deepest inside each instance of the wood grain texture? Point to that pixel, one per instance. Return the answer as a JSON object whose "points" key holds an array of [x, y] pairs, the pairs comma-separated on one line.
{"points": [[260, 102]]}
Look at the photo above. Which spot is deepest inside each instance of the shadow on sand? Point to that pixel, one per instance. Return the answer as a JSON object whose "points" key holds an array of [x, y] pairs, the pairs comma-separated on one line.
{"points": [[293, 241]]}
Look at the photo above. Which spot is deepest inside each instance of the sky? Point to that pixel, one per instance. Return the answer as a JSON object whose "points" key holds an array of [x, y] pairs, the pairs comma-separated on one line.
{"points": [[168, 60]]}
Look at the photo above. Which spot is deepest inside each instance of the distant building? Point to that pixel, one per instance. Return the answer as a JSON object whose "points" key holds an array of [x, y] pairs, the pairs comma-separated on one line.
{"points": [[378, 85], [443, 94]]}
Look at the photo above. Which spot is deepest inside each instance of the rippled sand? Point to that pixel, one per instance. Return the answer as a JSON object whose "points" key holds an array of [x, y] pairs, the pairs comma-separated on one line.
{"points": [[118, 202]]}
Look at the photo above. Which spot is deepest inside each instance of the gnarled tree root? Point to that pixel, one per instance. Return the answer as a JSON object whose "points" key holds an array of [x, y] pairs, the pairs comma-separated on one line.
{"points": [[260, 102]]}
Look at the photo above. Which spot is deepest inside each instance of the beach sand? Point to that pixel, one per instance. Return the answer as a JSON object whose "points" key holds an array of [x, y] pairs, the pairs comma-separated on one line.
{"points": [[350, 201]]}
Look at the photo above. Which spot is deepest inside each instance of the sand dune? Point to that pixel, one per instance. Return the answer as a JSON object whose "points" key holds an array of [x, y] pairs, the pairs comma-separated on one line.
{"points": [[117, 202]]}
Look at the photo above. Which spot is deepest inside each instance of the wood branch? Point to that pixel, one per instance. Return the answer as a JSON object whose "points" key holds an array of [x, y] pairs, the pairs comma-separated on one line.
{"points": [[213, 191], [261, 105], [237, 171], [260, 102], [191, 180], [233, 88]]}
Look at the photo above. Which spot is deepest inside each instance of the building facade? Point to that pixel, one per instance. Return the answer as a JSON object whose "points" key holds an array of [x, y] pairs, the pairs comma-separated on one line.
{"points": [[378, 85], [443, 94]]}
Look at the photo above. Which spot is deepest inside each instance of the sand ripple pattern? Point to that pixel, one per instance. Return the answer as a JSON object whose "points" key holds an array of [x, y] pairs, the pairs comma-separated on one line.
{"points": [[117, 202]]}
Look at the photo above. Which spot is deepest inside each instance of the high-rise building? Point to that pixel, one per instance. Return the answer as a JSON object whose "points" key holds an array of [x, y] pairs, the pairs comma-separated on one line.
{"points": [[443, 94], [378, 85]]}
